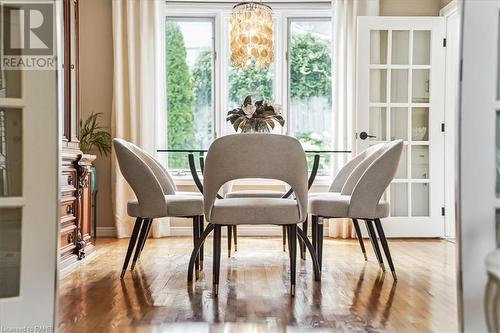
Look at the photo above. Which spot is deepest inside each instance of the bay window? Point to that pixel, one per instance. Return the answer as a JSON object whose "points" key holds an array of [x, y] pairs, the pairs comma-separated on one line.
{"points": [[203, 85]]}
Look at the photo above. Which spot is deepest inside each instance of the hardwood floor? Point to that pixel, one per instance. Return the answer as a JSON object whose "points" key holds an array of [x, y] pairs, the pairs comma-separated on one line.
{"points": [[353, 295]]}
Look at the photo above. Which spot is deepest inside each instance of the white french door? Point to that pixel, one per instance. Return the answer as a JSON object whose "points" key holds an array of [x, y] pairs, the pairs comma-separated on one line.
{"points": [[400, 95], [29, 196]]}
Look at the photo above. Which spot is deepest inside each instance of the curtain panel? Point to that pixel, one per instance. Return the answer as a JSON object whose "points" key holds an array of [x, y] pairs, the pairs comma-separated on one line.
{"points": [[345, 14], [138, 48]]}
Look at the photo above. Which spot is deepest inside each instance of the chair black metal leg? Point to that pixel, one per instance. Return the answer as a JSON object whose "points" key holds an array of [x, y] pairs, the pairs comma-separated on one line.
{"points": [[196, 250], [314, 227], [196, 237], [374, 241], [150, 223], [284, 238], [235, 237], [201, 225], [320, 242], [216, 260], [385, 246], [312, 252], [131, 245], [229, 240], [360, 237], [302, 243], [140, 240], [292, 245]]}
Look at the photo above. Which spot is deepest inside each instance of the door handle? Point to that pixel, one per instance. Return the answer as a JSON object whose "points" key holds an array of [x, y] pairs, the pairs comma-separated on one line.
{"points": [[364, 136]]}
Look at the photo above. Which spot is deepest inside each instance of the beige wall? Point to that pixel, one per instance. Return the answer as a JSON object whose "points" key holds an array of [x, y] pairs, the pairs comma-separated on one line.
{"points": [[96, 71], [411, 7], [96, 87]]}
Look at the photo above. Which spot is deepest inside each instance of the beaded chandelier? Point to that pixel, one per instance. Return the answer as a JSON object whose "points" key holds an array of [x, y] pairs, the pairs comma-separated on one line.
{"points": [[252, 35]]}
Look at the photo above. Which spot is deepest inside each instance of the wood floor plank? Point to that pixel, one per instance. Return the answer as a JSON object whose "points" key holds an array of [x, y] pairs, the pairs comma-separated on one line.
{"points": [[254, 295]]}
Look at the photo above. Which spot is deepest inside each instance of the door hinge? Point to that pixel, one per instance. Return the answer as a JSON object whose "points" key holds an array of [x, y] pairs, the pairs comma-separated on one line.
{"points": [[215, 55], [443, 211], [442, 127], [444, 42]]}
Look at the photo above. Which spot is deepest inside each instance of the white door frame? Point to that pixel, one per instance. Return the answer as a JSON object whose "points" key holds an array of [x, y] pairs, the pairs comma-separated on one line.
{"points": [[452, 18], [417, 226], [34, 309]]}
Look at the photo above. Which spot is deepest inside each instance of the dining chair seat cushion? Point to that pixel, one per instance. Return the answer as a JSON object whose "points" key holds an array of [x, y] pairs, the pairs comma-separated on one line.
{"points": [[233, 211], [177, 206], [255, 194], [335, 205], [188, 193]]}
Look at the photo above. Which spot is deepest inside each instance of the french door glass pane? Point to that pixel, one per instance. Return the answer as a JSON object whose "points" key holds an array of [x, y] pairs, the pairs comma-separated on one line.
{"points": [[11, 152], [420, 199], [420, 124], [420, 86], [310, 89], [402, 171], [190, 109], [419, 162], [400, 47], [378, 123], [10, 251], [378, 85], [378, 46], [399, 86], [421, 47], [399, 199], [10, 83], [399, 123]]}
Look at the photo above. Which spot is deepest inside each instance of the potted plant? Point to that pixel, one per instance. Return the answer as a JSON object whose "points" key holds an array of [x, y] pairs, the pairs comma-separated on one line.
{"points": [[259, 117], [92, 137]]}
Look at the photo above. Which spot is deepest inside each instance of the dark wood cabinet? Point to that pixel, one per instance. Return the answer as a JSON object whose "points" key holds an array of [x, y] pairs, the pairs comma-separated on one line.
{"points": [[76, 181]]}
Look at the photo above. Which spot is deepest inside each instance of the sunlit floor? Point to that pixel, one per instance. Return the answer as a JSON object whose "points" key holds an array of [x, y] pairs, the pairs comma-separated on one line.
{"points": [[353, 296]]}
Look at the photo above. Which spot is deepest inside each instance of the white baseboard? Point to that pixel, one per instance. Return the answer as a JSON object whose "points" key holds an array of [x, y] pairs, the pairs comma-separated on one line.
{"points": [[106, 232], [243, 230]]}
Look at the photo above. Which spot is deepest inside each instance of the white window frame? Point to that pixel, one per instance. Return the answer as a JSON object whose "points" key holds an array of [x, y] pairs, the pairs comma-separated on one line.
{"points": [[220, 13]]}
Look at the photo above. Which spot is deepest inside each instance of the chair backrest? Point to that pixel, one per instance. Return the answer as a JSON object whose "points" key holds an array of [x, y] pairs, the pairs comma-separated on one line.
{"points": [[259, 155], [359, 169], [343, 174], [375, 180], [142, 179], [166, 181]]}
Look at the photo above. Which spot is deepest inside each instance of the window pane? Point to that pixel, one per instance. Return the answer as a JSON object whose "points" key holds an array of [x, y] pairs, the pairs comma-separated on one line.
{"points": [[378, 47], [400, 47], [10, 251], [419, 199], [189, 86], [310, 90], [11, 152], [399, 199]]}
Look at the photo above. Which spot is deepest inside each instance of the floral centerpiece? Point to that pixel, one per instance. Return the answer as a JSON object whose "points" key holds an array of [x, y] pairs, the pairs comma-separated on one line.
{"points": [[259, 117]]}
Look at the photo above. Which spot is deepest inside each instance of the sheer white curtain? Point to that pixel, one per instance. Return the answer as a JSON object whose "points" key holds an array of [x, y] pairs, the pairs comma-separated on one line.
{"points": [[138, 48], [345, 13]]}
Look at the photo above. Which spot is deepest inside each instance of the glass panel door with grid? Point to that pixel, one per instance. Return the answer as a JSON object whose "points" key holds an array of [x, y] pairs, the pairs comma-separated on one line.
{"points": [[400, 96]]}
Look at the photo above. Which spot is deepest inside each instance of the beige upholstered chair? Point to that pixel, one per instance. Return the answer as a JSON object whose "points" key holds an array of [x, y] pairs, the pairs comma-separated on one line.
{"points": [[266, 156], [156, 197], [341, 178], [360, 198]]}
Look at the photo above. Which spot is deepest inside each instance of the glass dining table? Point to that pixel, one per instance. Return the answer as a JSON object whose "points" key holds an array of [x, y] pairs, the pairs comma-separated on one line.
{"points": [[201, 152], [304, 243]]}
